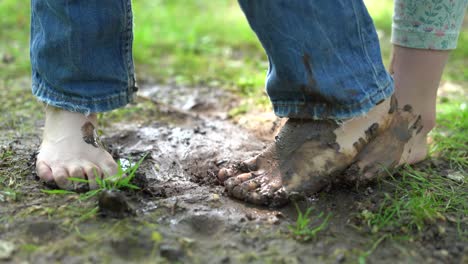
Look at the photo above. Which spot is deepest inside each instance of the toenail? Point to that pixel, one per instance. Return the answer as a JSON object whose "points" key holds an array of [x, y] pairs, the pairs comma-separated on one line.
{"points": [[224, 174]]}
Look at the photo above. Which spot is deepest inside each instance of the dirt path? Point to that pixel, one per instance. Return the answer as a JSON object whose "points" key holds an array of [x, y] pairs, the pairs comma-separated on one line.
{"points": [[183, 215]]}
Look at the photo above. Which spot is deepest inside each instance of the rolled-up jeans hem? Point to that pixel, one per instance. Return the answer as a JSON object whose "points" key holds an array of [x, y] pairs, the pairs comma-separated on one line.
{"points": [[50, 96], [304, 110]]}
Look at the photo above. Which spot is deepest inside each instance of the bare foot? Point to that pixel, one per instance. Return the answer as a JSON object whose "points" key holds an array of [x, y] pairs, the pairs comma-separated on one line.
{"points": [[417, 74], [307, 155], [70, 148], [416, 150]]}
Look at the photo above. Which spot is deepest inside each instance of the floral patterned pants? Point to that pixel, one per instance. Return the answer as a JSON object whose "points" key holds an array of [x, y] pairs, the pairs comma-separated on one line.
{"points": [[428, 24]]}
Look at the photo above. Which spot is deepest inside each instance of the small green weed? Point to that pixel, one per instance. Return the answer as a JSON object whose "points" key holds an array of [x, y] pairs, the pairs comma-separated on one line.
{"points": [[9, 194], [304, 230], [57, 192], [29, 248], [121, 180], [88, 214], [364, 255]]}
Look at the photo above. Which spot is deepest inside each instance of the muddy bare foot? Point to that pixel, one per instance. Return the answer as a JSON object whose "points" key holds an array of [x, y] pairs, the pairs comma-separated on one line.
{"points": [[308, 155], [71, 148]]}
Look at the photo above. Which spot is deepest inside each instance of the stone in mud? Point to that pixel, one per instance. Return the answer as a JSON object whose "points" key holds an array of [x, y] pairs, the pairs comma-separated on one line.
{"points": [[112, 203], [170, 252]]}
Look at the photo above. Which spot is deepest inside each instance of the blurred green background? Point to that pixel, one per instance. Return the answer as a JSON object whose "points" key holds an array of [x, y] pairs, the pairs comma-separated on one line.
{"points": [[196, 42]]}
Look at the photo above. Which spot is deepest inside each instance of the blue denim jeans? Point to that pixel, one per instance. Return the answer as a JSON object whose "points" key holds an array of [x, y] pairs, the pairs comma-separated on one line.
{"points": [[81, 54], [324, 55]]}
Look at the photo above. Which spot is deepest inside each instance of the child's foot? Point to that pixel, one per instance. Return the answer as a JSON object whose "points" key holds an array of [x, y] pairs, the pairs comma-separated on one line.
{"points": [[309, 154], [71, 148]]}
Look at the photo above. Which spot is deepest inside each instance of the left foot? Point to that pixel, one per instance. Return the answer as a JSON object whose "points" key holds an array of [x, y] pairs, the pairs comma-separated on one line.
{"points": [[308, 155], [71, 149]]}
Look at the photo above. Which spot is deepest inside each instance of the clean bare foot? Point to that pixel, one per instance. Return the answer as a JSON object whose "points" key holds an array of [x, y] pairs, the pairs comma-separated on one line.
{"points": [[308, 155], [71, 148]]}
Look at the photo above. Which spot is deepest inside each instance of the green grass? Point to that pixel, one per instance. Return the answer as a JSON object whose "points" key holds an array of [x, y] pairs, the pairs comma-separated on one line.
{"points": [[450, 136], [197, 43], [121, 180], [421, 197], [14, 39], [307, 226], [362, 256]]}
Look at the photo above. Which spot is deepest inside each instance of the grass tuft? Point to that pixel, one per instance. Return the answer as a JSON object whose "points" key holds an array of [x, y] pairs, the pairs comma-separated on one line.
{"points": [[421, 197], [306, 229], [450, 136], [121, 180]]}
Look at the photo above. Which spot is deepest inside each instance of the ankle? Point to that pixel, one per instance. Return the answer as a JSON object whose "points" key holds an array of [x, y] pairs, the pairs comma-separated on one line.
{"points": [[428, 125], [54, 116], [60, 122], [427, 119]]}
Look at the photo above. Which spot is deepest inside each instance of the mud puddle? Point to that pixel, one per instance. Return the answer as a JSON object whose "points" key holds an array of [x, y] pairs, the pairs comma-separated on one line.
{"points": [[182, 214]]}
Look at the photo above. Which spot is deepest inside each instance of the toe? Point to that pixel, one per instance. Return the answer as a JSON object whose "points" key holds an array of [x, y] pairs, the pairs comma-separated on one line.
{"points": [[61, 176], [109, 168], [44, 172], [234, 181], [249, 165], [250, 185], [226, 173], [274, 197], [256, 198], [269, 194], [257, 188], [242, 190], [92, 172], [242, 167], [75, 171]]}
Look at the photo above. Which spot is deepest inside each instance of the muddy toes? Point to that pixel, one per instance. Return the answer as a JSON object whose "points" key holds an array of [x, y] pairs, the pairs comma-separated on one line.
{"points": [[236, 169], [257, 188], [225, 173], [233, 182]]}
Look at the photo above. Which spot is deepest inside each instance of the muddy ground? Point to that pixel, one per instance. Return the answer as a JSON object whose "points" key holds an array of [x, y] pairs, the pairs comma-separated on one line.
{"points": [[182, 214]]}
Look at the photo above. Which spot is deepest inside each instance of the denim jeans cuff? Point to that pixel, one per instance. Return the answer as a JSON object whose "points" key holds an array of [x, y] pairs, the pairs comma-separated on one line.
{"points": [[51, 96], [303, 110]]}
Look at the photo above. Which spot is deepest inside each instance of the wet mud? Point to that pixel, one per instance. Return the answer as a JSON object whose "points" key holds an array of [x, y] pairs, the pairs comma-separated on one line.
{"points": [[181, 213], [89, 134]]}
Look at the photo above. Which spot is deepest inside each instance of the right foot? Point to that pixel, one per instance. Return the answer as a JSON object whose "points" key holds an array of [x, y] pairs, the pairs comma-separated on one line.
{"points": [[70, 148], [309, 154]]}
